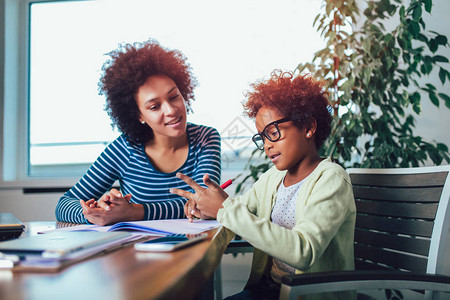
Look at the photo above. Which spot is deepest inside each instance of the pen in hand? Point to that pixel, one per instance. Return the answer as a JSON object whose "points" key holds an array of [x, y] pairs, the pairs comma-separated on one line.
{"points": [[223, 186], [227, 183]]}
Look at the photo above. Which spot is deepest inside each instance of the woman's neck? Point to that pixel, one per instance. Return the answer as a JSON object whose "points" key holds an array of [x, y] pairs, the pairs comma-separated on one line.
{"points": [[167, 154], [167, 144]]}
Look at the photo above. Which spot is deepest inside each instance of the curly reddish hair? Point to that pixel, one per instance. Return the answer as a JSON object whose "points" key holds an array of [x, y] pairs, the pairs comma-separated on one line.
{"points": [[301, 98], [127, 69]]}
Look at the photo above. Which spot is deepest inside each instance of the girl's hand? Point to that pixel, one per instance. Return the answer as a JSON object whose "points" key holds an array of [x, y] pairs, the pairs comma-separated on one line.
{"points": [[207, 200], [191, 211]]}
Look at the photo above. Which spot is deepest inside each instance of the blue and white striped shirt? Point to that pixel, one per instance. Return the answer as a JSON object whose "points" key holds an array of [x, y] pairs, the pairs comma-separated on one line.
{"points": [[128, 163]]}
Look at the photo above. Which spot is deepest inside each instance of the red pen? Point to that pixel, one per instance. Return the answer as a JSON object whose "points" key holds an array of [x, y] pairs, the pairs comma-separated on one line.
{"points": [[227, 183]]}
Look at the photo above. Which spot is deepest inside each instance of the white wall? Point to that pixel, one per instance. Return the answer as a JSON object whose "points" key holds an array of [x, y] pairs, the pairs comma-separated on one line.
{"points": [[434, 123], [17, 198], [29, 207]]}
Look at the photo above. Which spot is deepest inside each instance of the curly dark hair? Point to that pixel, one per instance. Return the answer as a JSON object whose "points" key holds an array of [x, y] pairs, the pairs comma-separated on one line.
{"points": [[127, 69], [301, 98]]}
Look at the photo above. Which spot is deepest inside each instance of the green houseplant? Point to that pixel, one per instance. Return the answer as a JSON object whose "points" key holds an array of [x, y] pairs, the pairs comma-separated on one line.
{"points": [[372, 75]]}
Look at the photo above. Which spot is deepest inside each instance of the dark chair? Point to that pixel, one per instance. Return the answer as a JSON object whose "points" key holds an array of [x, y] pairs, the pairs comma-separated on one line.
{"points": [[401, 233]]}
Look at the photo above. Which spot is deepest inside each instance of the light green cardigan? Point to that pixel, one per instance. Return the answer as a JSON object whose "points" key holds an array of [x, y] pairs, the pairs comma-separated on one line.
{"points": [[321, 240]]}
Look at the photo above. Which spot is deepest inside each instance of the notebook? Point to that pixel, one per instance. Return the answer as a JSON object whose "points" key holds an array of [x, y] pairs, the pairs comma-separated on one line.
{"points": [[10, 226], [153, 227], [59, 244]]}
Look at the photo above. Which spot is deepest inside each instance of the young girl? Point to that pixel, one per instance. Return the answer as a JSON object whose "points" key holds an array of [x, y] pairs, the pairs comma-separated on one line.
{"points": [[148, 90], [300, 214]]}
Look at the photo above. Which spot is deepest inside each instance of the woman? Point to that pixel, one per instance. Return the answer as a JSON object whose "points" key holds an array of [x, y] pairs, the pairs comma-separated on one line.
{"points": [[148, 90], [300, 214]]}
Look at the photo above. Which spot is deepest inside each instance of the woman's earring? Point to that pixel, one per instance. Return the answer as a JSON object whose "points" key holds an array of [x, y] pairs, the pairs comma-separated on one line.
{"points": [[143, 122], [308, 135]]}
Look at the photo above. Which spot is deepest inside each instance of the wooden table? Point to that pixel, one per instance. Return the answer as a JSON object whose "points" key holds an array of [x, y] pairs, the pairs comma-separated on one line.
{"points": [[123, 273]]}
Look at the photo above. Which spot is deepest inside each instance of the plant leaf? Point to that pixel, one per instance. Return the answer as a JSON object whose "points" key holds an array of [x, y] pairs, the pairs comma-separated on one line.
{"points": [[434, 99], [417, 13], [441, 39], [440, 58], [433, 45], [430, 87], [414, 28], [428, 4], [442, 75], [442, 147], [446, 98]]}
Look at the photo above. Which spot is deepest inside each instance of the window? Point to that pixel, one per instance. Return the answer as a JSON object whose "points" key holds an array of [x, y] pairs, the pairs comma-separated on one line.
{"points": [[229, 44]]}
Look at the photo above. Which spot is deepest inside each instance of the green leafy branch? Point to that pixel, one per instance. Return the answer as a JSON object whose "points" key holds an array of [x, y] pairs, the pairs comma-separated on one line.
{"points": [[372, 78]]}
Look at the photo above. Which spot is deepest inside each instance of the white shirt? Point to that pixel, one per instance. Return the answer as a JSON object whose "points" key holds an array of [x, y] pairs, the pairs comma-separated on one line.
{"points": [[283, 214]]}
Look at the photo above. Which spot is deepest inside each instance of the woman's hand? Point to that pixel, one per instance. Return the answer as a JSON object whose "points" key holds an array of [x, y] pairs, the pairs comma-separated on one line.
{"points": [[205, 202], [91, 203], [113, 199], [112, 208]]}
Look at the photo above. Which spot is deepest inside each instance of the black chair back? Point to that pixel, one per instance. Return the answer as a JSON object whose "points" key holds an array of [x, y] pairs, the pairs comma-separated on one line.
{"points": [[395, 218]]}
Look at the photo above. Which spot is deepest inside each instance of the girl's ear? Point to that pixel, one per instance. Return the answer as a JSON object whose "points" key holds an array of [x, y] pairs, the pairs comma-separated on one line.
{"points": [[311, 129]]}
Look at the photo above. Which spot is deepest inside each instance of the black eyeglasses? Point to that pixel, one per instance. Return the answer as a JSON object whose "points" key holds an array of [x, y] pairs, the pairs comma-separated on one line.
{"points": [[271, 132]]}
